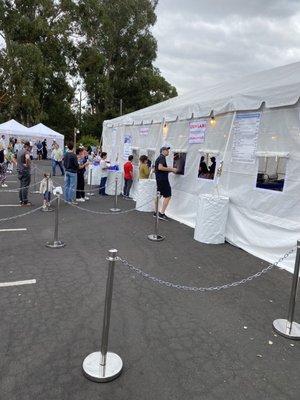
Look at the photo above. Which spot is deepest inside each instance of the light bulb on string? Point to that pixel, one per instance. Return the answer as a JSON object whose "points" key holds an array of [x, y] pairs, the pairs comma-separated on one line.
{"points": [[212, 119]]}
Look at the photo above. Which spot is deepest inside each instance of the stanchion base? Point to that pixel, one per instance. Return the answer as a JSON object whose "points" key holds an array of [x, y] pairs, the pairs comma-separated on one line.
{"points": [[55, 244], [47, 209], [156, 238], [98, 373], [280, 326], [115, 209]]}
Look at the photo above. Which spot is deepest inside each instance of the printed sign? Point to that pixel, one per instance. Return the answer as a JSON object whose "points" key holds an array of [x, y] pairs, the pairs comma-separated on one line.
{"points": [[144, 130], [198, 131], [245, 128], [127, 151]]}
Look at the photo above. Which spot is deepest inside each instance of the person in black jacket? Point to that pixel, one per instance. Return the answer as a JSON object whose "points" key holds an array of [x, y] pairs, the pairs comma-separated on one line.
{"points": [[71, 167]]}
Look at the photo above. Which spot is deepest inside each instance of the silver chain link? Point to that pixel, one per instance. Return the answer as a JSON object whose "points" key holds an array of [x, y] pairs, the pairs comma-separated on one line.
{"points": [[108, 212], [172, 285]]}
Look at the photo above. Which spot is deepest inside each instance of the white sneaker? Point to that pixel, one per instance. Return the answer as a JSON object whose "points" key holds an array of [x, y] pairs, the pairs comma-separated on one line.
{"points": [[81, 200], [86, 198], [4, 185], [78, 199], [44, 206]]}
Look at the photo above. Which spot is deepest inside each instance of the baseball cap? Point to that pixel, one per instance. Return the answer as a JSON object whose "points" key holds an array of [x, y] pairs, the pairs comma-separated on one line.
{"points": [[164, 148]]}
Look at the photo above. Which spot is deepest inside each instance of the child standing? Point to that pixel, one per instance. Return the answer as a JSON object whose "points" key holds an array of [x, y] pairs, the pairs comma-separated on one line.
{"points": [[46, 188]]}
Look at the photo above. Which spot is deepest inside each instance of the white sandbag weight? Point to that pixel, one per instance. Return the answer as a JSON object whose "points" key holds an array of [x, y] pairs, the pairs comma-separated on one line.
{"points": [[211, 219], [145, 195]]}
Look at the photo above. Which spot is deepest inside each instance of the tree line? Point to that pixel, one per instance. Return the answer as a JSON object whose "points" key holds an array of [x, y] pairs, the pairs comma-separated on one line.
{"points": [[53, 49]]}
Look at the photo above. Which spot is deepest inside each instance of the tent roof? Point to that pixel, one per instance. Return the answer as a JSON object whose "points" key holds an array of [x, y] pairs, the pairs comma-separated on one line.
{"points": [[13, 126], [45, 131], [276, 87]]}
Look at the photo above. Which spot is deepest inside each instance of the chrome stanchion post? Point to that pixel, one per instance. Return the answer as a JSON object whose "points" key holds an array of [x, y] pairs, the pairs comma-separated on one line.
{"points": [[34, 190], [56, 244], [155, 237], [115, 208], [91, 179], [103, 365], [288, 327]]}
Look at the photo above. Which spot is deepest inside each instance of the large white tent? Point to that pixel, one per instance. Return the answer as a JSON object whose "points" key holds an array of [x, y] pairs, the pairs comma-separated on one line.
{"points": [[257, 139]]}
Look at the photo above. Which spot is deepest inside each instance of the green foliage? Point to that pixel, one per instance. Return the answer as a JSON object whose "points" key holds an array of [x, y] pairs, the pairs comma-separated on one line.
{"points": [[52, 45], [89, 140]]}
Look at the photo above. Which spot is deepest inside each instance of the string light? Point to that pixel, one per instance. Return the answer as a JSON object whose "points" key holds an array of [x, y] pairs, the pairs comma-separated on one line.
{"points": [[212, 119]]}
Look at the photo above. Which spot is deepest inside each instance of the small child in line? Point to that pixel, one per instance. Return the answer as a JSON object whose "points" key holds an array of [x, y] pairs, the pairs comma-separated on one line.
{"points": [[46, 188]]}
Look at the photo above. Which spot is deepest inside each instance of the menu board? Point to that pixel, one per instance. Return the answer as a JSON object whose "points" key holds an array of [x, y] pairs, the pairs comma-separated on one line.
{"points": [[245, 129]]}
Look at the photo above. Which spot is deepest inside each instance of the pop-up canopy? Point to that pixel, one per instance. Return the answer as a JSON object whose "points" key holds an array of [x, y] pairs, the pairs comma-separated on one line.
{"points": [[13, 128], [41, 131]]}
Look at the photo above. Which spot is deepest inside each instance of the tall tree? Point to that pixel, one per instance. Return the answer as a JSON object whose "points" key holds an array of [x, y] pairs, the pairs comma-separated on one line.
{"points": [[35, 61], [117, 54]]}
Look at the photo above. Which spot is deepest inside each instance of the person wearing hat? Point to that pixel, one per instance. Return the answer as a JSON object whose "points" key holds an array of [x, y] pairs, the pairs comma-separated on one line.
{"points": [[162, 180]]}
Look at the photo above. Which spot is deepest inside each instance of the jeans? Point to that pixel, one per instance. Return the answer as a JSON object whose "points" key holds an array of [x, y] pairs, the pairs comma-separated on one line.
{"points": [[70, 185], [54, 164], [24, 178], [127, 187], [102, 186]]}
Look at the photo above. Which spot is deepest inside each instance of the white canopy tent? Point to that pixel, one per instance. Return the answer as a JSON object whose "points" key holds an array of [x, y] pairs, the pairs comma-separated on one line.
{"points": [[256, 136], [41, 132], [14, 129], [37, 132]]}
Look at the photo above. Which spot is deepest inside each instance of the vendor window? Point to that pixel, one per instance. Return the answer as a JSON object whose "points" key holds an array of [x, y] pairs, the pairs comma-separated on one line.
{"points": [[179, 162], [136, 155], [271, 173], [207, 167]]}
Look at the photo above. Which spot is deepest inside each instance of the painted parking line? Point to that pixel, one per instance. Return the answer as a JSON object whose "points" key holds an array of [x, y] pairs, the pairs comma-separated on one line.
{"points": [[13, 230], [18, 283], [10, 205]]}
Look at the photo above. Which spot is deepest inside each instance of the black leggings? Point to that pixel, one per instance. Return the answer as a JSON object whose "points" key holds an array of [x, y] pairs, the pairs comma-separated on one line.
{"points": [[80, 186]]}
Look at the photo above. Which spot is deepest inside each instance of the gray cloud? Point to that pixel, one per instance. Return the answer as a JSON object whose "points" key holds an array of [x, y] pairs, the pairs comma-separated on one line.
{"points": [[204, 42]]}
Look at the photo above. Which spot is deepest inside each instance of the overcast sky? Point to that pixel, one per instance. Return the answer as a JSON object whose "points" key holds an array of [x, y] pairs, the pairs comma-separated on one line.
{"points": [[202, 42]]}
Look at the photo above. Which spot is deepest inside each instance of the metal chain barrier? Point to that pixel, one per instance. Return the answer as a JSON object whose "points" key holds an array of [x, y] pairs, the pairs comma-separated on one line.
{"points": [[24, 214], [107, 212], [172, 285]]}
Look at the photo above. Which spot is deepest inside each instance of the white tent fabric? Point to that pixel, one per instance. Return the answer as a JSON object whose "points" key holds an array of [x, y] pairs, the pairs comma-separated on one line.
{"points": [[13, 128], [41, 131], [263, 222]]}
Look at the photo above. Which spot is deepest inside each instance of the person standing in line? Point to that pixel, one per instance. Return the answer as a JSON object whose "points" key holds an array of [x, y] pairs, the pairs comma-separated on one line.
{"points": [[3, 166], [128, 176], [144, 170], [23, 169], [45, 151], [83, 162], [71, 168], [57, 157], [39, 150], [104, 173], [162, 180], [46, 188]]}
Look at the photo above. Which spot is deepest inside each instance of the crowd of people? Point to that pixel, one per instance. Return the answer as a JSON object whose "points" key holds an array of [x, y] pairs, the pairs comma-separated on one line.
{"points": [[72, 164]]}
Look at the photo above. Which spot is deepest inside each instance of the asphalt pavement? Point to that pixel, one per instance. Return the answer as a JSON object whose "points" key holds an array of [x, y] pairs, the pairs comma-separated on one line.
{"points": [[175, 344]]}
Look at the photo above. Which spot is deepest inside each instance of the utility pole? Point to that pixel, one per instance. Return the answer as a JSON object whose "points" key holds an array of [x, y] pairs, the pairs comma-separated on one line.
{"points": [[80, 101], [121, 106]]}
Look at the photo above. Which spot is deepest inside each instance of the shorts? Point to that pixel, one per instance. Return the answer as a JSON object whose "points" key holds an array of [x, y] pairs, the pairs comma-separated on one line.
{"points": [[164, 188]]}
